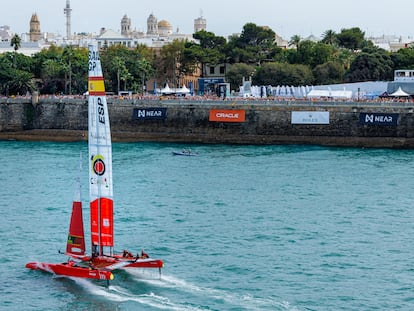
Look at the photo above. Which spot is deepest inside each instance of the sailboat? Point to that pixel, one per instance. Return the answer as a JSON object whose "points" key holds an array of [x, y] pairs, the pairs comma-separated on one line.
{"points": [[103, 260]]}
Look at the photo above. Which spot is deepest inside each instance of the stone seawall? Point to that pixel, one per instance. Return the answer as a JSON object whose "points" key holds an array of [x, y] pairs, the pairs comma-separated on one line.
{"points": [[266, 122]]}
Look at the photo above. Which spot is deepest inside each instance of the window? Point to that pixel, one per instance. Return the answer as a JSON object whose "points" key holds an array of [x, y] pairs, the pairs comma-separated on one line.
{"points": [[212, 70], [222, 70]]}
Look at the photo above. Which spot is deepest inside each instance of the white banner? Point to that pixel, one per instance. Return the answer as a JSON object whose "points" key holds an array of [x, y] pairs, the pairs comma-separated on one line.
{"points": [[310, 117]]}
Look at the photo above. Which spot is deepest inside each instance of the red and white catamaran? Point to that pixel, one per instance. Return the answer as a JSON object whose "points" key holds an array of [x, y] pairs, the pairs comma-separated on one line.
{"points": [[103, 260]]}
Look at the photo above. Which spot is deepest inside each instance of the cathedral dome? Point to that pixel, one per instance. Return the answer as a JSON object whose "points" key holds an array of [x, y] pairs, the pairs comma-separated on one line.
{"points": [[164, 28], [165, 24]]}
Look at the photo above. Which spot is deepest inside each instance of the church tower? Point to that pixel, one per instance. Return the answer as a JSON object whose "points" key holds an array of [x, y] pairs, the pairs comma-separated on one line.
{"points": [[152, 25], [200, 23], [34, 34], [125, 26], [67, 10]]}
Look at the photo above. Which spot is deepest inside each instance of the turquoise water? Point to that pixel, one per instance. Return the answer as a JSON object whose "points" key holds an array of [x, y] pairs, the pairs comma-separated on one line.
{"points": [[239, 227]]}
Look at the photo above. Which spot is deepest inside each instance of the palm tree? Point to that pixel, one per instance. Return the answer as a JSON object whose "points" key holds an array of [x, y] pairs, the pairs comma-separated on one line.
{"points": [[146, 69], [295, 41], [119, 66], [329, 37], [15, 43]]}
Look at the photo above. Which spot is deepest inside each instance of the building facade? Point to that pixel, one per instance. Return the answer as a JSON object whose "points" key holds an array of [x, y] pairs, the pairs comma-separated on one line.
{"points": [[35, 34], [200, 24]]}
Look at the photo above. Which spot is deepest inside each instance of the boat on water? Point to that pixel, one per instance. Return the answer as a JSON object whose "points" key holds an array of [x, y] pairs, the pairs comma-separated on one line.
{"points": [[103, 260], [185, 152]]}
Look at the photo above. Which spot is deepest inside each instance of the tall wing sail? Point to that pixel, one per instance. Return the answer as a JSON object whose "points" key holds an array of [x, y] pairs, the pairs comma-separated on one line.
{"points": [[76, 236], [100, 157]]}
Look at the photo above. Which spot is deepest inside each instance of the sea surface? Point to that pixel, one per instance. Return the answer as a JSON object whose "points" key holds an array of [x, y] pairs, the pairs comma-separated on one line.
{"points": [[239, 227]]}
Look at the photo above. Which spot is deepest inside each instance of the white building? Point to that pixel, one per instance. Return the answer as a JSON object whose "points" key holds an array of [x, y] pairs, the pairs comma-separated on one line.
{"points": [[5, 33], [157, 35], [200, 24], [392, 43]]}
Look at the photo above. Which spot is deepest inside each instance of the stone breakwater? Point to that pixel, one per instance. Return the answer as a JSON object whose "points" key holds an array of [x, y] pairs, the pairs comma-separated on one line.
{"points": [[356, 124]]}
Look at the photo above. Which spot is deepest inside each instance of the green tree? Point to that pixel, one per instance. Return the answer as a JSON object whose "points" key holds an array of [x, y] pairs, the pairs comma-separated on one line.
{"points": [[403, 59], [343, 56], [237, 72], [330, 37], [255, 45], [67, 56], [15, 74], [330, 72], [47, 82], [209, 51], [311, 53], [61, 70], [53, 52], [79, 65], [20, 83], [126, 68], [208, 40], [113, 60], [141, 68], [170, 63], [352, 38], [295, 41], [146, 71], [118, 66], [15, 42], [53, 77], [283, 74], [372, 64]]}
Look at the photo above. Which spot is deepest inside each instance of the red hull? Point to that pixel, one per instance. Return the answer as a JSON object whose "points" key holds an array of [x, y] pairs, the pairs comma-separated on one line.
{"points": [[68, 269], [119, 261], [146, 263]]}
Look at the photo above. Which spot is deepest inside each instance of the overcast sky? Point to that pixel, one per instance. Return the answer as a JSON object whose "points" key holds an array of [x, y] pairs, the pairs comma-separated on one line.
{"points": [[224, 17]]}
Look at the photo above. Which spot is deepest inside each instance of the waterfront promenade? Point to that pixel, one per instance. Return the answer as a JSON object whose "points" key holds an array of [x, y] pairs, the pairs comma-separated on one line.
{"points": [[188, 120]]}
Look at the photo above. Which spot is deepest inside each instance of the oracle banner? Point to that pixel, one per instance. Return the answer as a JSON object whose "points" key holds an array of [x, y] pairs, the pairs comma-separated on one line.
{"points": [[227, 115]]}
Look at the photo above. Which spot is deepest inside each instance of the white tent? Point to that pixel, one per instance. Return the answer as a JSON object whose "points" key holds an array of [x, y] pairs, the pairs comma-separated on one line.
{"points": [[183, 90], [399, 93], [166, 90]]}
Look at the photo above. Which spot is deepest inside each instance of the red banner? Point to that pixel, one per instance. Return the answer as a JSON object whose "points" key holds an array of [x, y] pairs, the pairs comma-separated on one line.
{"points": [[228, 115]]}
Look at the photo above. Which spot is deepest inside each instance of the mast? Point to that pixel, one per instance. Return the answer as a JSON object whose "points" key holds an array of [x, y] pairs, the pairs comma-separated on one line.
{"points": [[100, 157]]}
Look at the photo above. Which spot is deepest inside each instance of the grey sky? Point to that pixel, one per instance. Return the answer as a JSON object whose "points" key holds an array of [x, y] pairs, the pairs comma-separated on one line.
{"points": [[224, 17]]}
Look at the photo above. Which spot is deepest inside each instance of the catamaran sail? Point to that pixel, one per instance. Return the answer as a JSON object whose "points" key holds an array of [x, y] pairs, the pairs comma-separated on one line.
{"points": [[100, 157], [76, 236]]}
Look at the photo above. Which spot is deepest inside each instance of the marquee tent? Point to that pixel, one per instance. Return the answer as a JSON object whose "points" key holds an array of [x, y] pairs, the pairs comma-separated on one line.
{"points": [[399, 93]]}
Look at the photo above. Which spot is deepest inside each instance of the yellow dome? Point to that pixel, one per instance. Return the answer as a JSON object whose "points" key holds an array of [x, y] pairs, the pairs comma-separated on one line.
{"points": [[164, 24]]}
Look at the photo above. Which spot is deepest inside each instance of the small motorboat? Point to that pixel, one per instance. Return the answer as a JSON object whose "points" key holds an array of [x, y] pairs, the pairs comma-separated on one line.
{"points": [[185, 152]]}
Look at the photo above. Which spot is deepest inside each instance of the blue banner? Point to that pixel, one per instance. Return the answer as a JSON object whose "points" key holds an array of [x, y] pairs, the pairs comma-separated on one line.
{"points": [[385, 119], [149, 113], [191, 88]]}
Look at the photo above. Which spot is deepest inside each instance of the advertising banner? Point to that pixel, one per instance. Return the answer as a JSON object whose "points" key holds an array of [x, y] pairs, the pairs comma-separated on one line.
{"points": [[149, 113], [310, 117], [384, 119], [227, 115]]}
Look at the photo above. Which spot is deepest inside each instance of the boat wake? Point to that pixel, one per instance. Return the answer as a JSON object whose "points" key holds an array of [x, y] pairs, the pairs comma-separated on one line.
{"points": [[119, 294], [171, 293], [244, 302]]}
